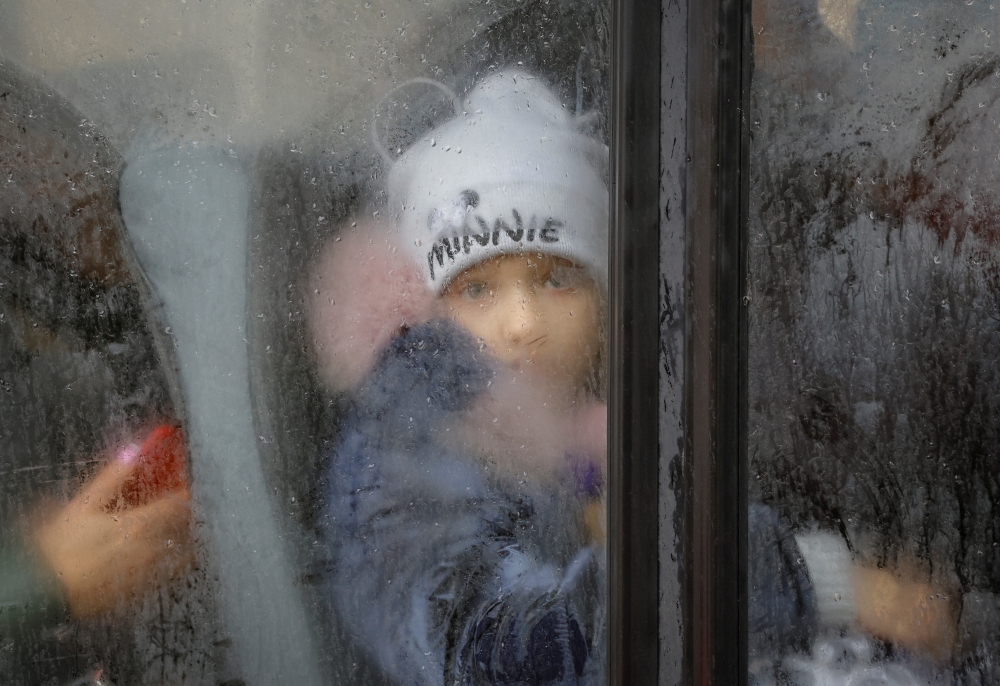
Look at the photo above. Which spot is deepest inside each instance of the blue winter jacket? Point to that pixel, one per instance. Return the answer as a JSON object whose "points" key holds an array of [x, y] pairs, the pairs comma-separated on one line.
{"points": [[446, 572]]}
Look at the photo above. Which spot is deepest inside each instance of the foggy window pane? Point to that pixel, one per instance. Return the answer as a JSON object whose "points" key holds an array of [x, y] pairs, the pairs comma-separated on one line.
{"points": [[874, 341], [303, 362]]}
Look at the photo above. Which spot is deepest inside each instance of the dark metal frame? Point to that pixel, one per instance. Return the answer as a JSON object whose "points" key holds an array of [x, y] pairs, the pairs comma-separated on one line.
{"points": [[633, 561], [720, 35]]}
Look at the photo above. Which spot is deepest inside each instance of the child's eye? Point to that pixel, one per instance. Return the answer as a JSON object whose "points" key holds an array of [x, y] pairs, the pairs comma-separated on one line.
{"points": [[475, 290]]}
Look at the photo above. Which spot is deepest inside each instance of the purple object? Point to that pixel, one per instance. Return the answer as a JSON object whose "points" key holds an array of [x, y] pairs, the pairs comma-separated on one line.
{"points": [[586, 473]]}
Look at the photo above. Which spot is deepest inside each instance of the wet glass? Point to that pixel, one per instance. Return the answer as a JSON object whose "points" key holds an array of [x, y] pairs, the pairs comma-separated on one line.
{"points": [[303, 363], [873, 343]]}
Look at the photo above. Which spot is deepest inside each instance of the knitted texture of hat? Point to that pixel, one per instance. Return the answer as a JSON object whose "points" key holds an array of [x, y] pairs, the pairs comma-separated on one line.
{"points": [[510, 175]]}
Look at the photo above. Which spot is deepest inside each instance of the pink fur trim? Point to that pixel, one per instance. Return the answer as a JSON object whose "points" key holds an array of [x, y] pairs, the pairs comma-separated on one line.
{"points": [[362, 290]]}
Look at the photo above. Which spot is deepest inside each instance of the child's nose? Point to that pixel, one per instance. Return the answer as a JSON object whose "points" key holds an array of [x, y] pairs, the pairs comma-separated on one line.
{"points": [[519, 319]]}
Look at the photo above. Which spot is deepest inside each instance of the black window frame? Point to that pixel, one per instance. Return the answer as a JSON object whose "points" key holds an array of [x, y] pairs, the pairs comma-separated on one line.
{"points": [[633, 464]]}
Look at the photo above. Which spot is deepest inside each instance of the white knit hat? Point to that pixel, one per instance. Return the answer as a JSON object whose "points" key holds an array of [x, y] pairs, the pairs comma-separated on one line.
{"points": [[510, 174]]}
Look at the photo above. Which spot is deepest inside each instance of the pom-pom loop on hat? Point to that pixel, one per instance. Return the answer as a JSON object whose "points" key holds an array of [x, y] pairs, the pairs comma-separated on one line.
{"points": [[377, 135]]}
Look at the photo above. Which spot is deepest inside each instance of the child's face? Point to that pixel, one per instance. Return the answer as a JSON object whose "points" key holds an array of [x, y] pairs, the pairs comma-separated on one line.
{"points": [[535, 312]]}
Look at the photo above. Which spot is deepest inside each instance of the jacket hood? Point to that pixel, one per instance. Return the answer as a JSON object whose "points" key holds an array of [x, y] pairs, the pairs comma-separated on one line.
{"points": [[362, 291]]}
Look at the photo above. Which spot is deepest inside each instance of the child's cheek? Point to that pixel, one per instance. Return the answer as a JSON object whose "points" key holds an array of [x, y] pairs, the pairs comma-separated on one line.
{"points": [[446, 308], [571, 351], [470, 316]]}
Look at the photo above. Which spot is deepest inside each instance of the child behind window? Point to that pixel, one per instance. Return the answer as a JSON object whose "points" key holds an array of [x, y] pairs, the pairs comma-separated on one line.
{"points": [[465, 491]]}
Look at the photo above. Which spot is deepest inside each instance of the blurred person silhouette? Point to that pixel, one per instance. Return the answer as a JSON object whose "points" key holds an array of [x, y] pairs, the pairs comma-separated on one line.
{"points": [[84, 405], [873, 232]]}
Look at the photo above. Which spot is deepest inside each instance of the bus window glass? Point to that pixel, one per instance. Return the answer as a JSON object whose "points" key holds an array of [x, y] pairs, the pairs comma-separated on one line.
{"points": [[873, 343], [303, 314]]}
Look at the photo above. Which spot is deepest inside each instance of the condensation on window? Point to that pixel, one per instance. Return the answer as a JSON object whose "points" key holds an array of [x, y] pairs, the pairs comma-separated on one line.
{"points": [[874, 416], [303, 363]]}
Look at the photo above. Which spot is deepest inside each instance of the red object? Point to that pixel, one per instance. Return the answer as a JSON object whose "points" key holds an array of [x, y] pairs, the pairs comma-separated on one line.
{"points": [[161, 467]]}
